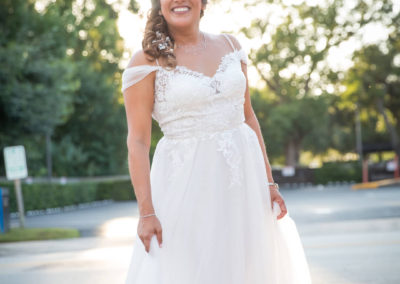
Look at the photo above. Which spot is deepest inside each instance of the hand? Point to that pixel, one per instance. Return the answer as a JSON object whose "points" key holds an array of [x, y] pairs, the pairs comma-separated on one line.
{"points": [[147, 227], [277, 197]]}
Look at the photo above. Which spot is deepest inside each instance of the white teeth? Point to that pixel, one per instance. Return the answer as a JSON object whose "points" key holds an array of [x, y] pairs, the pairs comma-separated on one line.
{"points": [[181, 9]]}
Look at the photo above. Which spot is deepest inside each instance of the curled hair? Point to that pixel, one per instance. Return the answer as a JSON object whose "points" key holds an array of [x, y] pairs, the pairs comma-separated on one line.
{"points": [[157, 41]]}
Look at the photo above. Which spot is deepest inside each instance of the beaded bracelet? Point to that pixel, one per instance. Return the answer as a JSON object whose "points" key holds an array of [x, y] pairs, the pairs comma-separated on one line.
{"points": [[144, 216], [274, 184]]}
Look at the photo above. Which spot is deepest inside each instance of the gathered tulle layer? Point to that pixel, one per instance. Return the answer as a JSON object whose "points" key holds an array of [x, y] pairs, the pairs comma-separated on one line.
{"points": [[211, 197]]}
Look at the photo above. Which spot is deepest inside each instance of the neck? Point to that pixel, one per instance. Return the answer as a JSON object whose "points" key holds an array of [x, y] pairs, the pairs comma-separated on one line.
{"points": [[186, 37]]}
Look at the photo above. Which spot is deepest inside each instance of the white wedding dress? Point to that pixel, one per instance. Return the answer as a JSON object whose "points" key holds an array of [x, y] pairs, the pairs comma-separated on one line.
{"points": [[208, 185]]}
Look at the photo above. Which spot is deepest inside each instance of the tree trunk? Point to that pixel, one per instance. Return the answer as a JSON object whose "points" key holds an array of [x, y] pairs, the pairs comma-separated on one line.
{"points": [[358, 134], [48, 155], [292, 153], [394, 137]]}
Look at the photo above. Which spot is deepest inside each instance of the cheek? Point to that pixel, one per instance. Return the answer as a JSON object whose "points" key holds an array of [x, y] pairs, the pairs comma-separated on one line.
{"points": [[165, 4], [196, 5]]}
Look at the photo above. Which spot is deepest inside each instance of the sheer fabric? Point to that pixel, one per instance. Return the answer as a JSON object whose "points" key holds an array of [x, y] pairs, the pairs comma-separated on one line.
{"points": [[208, 183]]}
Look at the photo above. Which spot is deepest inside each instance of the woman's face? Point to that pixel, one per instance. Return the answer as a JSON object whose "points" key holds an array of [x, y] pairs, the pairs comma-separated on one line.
{"points": [[181, 13]]}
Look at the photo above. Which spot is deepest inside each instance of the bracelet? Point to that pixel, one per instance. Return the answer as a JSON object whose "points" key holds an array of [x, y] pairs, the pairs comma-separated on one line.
{"points": [[274, 184], [144, 216]]}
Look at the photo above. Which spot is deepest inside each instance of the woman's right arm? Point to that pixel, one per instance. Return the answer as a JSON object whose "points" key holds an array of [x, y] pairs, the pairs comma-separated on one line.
{"points": [[139, 99]]}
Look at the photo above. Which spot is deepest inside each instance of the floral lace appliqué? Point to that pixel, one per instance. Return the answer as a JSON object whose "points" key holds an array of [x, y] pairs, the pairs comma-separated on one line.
{"points": [[232, 156], [213, 81]]}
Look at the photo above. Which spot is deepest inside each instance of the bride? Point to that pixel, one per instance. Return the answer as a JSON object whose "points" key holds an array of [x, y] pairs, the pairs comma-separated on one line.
{"points": [[210, 211]]}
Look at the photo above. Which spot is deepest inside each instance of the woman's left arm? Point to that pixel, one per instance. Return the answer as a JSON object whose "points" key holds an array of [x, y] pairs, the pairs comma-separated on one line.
{"points": [[252, 121]]}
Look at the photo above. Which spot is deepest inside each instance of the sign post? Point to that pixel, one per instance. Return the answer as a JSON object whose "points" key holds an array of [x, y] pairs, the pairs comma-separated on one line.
{"points": [[15, 162]]}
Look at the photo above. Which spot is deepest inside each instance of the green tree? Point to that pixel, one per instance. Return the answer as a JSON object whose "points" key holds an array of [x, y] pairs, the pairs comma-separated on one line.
{"points": [[36, 79], [94, 137], [301, 88], [374, 84], [60, 85]]}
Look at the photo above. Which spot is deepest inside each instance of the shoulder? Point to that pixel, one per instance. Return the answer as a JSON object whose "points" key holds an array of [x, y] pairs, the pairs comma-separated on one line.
{"points": [[139, 68], [140, 58], [233, 39], [235, 42], [222, 38]]}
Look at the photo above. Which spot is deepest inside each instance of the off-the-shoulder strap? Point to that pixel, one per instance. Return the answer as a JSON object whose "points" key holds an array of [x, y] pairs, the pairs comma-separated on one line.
{"points": [[132, 75], [242, 55]]}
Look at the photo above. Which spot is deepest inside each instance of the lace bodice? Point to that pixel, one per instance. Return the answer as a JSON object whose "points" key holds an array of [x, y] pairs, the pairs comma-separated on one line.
{"points": [[189, 103]]}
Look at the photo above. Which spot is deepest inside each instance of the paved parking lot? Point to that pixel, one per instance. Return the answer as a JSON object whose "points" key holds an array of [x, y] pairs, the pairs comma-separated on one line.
{"points": [[348, 236]]}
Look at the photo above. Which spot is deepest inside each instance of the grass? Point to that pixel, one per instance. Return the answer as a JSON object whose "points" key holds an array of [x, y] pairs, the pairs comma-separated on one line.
{"points": [[33, 234]]}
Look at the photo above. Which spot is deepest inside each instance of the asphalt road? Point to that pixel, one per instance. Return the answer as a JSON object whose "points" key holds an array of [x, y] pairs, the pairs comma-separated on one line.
{"points": [[348, 236]]}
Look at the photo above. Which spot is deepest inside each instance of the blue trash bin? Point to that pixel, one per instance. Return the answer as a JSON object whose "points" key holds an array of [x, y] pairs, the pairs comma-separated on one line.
{"points": [[4, 210]]}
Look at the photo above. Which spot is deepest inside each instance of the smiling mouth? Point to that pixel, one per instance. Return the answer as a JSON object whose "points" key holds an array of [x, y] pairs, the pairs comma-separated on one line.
{"points": [[180, 10]]}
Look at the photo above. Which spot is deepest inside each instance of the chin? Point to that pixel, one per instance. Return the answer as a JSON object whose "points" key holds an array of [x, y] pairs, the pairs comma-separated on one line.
{"points": [[182, 23]]}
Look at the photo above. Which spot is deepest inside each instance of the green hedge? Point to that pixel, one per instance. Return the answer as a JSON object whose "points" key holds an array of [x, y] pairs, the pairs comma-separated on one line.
{"points": [[40, 196], [338, 171], [115, 190]]}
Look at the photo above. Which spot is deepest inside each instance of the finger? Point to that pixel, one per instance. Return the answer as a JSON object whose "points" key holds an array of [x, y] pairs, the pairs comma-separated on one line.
{"points": [[147, 244], [277, 200], [272, 203], [283, 212], [159, 237], [282, 215], [274, 199], [143, 239], [282, 207]]}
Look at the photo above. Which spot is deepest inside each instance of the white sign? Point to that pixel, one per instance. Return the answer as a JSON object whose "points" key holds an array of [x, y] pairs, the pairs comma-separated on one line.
{"points": [[15, 161], [288, 171], [391, 166]]}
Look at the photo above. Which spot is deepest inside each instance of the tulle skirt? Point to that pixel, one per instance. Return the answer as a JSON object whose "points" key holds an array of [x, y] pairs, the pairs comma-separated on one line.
{"points": [[219, 227]]}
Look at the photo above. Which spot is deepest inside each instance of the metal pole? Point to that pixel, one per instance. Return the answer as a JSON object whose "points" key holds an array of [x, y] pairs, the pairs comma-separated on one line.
{"points": [[20, 202]]}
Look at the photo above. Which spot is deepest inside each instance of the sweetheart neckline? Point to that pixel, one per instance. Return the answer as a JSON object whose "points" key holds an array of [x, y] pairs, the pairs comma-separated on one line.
{"points": [[222, 59]]}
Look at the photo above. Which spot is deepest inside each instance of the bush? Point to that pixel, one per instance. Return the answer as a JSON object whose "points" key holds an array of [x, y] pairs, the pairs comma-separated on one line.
{"points": [[338, 171], [43, 195]]}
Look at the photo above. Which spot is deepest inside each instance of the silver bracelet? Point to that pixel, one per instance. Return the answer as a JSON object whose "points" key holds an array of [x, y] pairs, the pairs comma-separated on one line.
{"points": [[144, 216], [274, 184]]}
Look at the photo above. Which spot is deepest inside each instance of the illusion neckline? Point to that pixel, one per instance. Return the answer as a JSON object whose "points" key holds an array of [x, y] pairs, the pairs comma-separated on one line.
{"points": [[187, 69], [219, 68]]}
